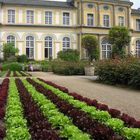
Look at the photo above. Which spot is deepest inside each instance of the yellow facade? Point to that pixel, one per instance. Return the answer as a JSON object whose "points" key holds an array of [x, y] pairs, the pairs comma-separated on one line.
{"points": [[79, 14]]}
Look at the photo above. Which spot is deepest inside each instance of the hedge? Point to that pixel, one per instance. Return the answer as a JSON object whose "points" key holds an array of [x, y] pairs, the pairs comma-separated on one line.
{"points": [[12, 66], [122, 72]]}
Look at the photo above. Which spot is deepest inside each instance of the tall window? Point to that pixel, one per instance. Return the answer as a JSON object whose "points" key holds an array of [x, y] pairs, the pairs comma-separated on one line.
{"points": [[30, 47], [48, 17], [106, 49], [66, 18], [90, 19], [11, 39], [138, 48], [138, 24], [11, 16], [30, 16], [48, 47], [121, 21], [106, 20], [66, 43]]}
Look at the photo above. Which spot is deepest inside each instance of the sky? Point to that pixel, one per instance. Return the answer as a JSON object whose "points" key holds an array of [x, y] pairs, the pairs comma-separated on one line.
{"points": [[136, 3]]}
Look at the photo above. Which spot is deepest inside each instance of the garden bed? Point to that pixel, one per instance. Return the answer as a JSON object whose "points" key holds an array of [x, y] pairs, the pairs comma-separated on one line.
{"points": [[18, 74], [38, 109]]}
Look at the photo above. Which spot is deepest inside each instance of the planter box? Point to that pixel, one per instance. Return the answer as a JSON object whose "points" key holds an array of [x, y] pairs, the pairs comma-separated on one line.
{"points": [[89, 71]]}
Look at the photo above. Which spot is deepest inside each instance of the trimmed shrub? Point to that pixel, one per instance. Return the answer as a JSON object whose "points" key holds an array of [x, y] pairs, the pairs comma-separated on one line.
{"points": [[22, 58], [123, 71], [69, 68], [12, 66], [46, 65], [69, 55]]}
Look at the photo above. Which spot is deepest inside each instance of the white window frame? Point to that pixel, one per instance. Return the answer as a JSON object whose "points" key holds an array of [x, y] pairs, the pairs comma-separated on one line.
{"points": [[48, 17], [30, 17], [106, 50], [90, 20], [66, 44], [106, 20], [138, 48], [11, 39], [48, 44], [66, 19], [30, 46], [121, 20], [11, 16], [138, 24]]}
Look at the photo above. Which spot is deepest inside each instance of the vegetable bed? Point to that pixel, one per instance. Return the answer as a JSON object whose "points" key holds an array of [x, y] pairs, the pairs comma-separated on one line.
{"points": [[18, 74], [35, 109]]}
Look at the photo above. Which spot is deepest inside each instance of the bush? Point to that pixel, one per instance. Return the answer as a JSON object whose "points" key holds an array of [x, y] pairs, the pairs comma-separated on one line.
{"points": [[46, 66], [22, 58], [69, 55], [124, 71], [9, 50], [12, 66], [69, 68]]}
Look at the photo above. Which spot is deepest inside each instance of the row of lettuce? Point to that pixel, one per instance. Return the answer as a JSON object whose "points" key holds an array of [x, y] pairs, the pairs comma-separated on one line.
{"points": [[34, 102], [14, 74], [18, 74], [128, 120]]}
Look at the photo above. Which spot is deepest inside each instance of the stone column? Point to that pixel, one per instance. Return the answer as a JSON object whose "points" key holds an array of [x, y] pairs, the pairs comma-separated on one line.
{"points": [[114, 17], [129, 16], [80, 44], [98, 13], [100, 51]]}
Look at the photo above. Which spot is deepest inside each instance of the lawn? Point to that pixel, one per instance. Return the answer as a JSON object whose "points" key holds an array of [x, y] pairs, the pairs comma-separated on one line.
{"points": [[32, 108]]}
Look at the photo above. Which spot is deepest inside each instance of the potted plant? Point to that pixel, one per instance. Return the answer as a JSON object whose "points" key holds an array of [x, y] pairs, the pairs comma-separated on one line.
{"points": [[90, 44]]}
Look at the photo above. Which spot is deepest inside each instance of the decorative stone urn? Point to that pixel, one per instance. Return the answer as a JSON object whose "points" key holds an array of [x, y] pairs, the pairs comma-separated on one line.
{"points": [[89, 71]]}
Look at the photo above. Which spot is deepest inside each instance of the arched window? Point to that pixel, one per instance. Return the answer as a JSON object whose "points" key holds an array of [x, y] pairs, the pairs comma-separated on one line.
{"points": [[106, 49], [11, 39], [30, 47], [66, 43], [48, 47], [138, 48]]}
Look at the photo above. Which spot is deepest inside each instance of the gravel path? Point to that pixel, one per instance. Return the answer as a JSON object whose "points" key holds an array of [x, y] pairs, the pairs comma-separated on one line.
{"points": [[126, 100]]}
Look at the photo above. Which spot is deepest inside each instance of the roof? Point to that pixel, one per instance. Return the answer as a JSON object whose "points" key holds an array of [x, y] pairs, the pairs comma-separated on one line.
{"points": [[39, 3], [118, 1], [136, 12]]}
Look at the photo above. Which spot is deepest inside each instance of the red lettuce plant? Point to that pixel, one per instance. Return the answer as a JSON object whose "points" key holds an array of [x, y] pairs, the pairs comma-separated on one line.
{"points": [[81, 119], [39, 127], [129, 121]]}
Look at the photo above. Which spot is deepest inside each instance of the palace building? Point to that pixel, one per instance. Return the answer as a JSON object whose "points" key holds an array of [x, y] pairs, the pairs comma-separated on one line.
{"points": [[40, 29]]}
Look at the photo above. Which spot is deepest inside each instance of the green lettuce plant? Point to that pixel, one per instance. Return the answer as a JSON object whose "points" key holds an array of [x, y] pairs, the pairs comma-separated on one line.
{"points": [[58, 119], [16, 125], [102, 116]]}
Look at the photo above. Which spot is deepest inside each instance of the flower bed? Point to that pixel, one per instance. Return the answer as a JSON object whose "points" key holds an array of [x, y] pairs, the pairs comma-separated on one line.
{"points": [[38, 109]]}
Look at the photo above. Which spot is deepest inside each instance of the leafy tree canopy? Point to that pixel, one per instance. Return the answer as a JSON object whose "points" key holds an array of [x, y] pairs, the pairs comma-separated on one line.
{"points": [[90, 43]]}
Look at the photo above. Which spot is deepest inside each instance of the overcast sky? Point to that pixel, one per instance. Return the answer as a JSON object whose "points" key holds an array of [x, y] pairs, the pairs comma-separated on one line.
{"points": [[136, 3]]}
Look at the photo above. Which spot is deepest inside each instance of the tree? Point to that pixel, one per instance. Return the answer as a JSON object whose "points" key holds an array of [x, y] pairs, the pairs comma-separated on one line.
{"points": [[90, 43], [119, 37], [9, 50]]}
